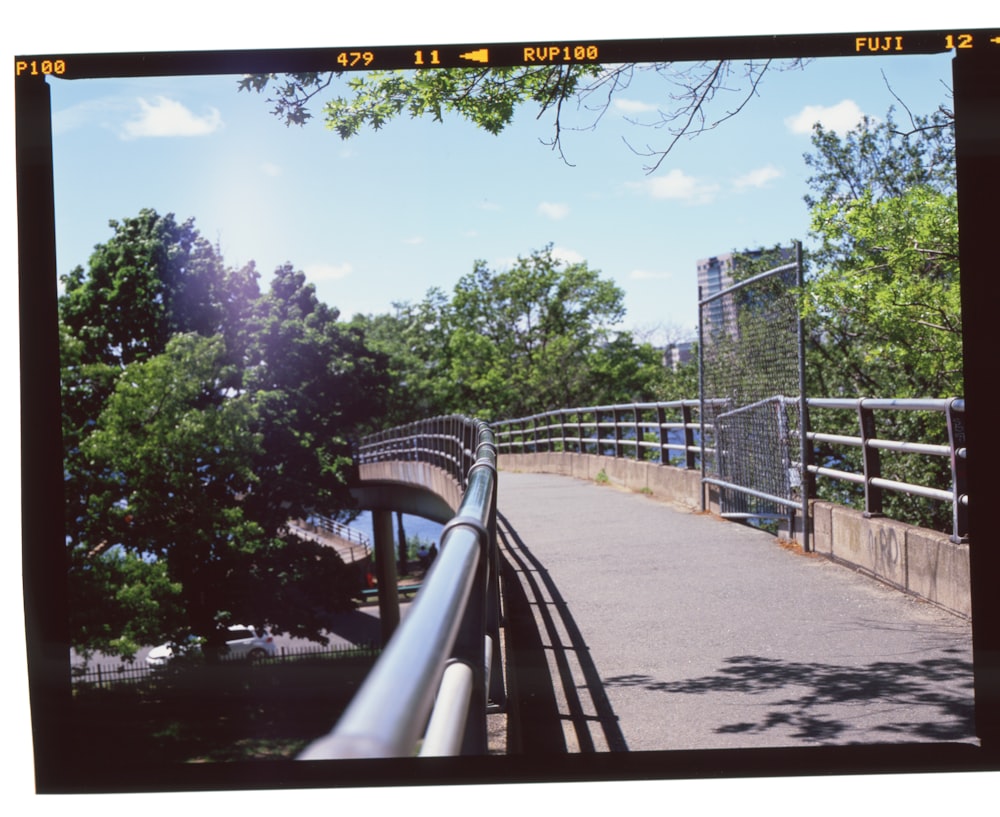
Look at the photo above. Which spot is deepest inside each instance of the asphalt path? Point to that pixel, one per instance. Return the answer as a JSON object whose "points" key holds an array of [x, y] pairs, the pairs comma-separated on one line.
{"points": [[663, 629]]}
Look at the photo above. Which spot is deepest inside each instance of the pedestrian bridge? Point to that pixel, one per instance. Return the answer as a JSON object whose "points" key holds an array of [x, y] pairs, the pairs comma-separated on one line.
{"points": [[601, 608]]}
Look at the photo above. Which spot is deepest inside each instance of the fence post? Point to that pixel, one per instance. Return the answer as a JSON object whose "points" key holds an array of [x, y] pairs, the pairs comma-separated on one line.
{"points": [[689, 452], [639, 439], [955, 415], [871, 461], [615, 416]]}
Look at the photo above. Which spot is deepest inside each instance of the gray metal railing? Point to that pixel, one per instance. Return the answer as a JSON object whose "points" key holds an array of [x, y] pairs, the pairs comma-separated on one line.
{"points": [[667, 433], [356, 544], [871, 445], [447, 442], [430, 690], [609, 430]]}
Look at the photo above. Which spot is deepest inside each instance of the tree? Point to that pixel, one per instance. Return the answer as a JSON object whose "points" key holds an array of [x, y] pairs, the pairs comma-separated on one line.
{"points": [[489, 97], [879, 160], [521, 337], [883, 306], [536, 336], [199, 417], [414, 340]]}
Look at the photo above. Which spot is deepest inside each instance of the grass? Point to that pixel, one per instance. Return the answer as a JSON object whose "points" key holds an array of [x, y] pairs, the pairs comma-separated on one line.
{"points": [[602, 478]]}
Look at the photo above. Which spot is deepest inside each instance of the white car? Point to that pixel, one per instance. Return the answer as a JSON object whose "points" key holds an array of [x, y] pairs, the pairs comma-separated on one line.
{"points": [[247, 643]]}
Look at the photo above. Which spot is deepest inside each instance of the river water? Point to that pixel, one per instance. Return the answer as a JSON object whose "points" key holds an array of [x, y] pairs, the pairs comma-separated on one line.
{"points": [[413, 526]]}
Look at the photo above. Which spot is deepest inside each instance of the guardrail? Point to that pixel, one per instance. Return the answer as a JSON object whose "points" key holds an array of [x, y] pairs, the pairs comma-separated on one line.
{"points": [[669, 433], [430, 690], [448, 442], [871, 445], [356, 544]]}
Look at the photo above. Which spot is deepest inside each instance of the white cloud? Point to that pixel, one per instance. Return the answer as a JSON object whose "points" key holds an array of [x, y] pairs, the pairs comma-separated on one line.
{"points": [[327, 272], [166, 117], [270, 169], [82, 114], [757, 178], [567, 255], [648, 275], [839, 118], [413, 241], [633, 106], [677, 185], [553, 210]]}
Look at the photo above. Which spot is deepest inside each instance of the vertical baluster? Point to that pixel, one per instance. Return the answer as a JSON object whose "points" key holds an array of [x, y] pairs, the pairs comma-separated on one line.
{"points": [[871, 460]]}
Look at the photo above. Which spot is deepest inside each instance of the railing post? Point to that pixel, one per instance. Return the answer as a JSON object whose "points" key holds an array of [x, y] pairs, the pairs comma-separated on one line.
{"points": [[955, 416], [636, 418], [871, 461], [690, 455], [661, 435], [618, 432]]}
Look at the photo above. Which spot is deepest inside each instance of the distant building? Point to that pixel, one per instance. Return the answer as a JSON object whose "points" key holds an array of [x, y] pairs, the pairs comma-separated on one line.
{"points": [[716, 274], [676, 355]]}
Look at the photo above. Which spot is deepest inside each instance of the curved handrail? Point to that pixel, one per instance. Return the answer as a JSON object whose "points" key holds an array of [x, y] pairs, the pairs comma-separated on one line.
{"points": [[442, 636]]}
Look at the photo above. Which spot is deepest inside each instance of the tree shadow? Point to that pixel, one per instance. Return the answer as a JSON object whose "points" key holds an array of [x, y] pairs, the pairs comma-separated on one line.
{"points": [[537, 724], [815, 699]]}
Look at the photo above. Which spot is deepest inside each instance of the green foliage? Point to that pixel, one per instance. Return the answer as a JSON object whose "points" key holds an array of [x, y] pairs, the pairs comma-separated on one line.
{"points": [[887, 296], [883, 297], [199, 416], [878, 160], [486, 97], [527, 339], [142, 598], [490, 97], [414, 341]]}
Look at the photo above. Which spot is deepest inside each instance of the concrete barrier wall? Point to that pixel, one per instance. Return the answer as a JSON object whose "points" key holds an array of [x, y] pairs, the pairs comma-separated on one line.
{"points": [[670, 484], [923, 563], [429, 477], [918, 561]]}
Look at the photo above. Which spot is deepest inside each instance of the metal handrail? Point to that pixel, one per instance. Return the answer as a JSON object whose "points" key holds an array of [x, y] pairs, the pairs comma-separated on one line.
{"points": [[563, 429], [434, 669]]}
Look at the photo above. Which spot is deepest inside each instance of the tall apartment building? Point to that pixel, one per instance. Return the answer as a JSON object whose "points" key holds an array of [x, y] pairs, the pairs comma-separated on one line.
{"points": [[716, 274]]}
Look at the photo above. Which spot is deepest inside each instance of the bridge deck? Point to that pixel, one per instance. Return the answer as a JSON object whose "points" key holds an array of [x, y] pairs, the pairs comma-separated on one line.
{"points": [[633, 625]]}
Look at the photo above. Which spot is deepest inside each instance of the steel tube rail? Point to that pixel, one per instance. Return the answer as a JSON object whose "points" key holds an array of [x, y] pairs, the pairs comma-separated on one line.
{"points": [[388, 715], [570, 425], [447, 725], [790, 503]]}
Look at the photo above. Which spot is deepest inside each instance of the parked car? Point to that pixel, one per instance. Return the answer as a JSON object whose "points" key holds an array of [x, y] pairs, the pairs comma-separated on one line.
{"points": [[242, 643]]}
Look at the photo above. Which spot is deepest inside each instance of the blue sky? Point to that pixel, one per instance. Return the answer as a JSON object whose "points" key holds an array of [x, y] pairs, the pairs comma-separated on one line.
{"points": [[388, 214]]}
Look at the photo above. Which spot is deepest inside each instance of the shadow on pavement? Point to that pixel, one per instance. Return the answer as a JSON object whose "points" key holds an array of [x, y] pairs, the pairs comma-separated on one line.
{"points": [[536, 723], [810, 695]]}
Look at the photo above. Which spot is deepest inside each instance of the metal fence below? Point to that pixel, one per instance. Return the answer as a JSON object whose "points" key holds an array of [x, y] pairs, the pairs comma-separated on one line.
{"points": [[126, 674]]}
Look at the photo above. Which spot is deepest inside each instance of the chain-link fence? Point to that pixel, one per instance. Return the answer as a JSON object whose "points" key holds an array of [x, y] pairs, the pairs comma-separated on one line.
{"points": [[751, 358]]}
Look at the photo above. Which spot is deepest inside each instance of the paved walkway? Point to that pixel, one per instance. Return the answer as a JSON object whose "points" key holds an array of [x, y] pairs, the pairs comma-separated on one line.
{"points": [[665, 629]]}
